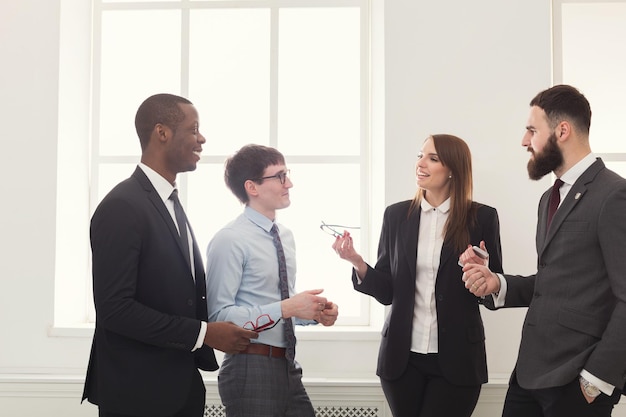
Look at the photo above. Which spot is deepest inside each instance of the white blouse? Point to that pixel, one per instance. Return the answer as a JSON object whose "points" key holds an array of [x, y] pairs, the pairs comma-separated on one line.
{"points": [[430, 241]]}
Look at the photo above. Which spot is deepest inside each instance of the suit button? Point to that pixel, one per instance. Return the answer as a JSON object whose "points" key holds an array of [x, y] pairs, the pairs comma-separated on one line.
{"points": [[440, 297], [537, 294], [189, 303], [203, 297]]}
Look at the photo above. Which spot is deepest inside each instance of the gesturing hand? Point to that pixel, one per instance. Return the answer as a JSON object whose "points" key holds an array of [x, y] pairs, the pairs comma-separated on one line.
{"points": [[305, 305]]}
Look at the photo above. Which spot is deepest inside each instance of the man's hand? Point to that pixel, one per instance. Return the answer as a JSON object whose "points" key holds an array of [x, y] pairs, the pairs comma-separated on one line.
{"points": [[306, 305], [329, 314], [228, 337], [479, 280]]}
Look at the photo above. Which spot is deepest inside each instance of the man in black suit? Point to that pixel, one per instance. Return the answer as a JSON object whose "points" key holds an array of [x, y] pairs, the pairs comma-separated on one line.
{"points": [[151, 332], [572, 357]]}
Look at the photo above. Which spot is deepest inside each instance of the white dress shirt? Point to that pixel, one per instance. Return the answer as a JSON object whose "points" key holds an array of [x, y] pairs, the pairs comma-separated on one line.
{"points": [[429, 243]]}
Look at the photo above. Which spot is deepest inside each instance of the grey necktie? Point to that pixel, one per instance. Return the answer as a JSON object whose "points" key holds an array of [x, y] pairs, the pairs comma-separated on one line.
{"points": [[284, 293]]}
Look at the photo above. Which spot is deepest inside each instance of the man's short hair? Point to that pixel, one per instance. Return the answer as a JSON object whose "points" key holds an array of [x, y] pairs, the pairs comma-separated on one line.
{"points": [[249, 163], [160, 108], [564, 102]]}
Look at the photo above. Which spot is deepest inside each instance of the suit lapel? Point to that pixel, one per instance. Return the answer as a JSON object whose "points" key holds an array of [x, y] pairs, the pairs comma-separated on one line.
{"points": [[574, 196], [156, 201], [409, 229], [196, 253]]}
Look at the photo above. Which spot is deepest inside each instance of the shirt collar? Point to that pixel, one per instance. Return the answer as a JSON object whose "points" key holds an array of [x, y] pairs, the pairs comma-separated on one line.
{"points": [[258, 219], [443, 207], [160, 184], [577, 170]]}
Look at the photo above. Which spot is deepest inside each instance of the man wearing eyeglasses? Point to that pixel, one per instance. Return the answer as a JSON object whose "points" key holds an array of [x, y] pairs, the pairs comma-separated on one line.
{"points": [[251, 269]]}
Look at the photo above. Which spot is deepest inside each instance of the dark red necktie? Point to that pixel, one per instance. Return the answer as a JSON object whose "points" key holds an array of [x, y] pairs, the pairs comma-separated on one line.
{"points": [[555, 199]]}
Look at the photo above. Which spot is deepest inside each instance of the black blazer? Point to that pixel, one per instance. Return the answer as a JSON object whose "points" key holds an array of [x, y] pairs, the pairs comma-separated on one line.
{"points": [[392, 282], [148, 308]]}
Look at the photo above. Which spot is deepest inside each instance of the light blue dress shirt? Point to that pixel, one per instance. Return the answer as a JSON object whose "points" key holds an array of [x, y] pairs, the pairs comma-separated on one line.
{"points": [[242, 275]]}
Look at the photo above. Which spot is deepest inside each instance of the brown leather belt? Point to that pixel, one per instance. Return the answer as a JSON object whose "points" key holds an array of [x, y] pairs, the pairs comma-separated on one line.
{"points": [[265, 350]]}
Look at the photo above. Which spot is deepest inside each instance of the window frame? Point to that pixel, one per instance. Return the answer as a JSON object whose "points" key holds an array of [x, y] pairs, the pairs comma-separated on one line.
{"points": [[68, 319], [558, 61]]}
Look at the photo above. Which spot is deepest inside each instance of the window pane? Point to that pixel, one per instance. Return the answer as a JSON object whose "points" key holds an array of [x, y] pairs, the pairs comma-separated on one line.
{"points": [[617, 166], [209, 204], [593, 63], [109, 176], [319, 81], [229, 76], [135, 1], [316, 196], [140, 57]]}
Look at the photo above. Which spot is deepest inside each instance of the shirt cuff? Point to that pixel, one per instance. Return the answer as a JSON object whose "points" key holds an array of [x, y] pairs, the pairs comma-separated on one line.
{"points": [[500, 296], [605, 387], [359, 281], [201, 335]]}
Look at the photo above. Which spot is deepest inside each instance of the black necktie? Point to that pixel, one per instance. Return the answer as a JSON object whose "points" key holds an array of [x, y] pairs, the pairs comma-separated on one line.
{"points": [[283, 284], [181, 219], [555, 199]]}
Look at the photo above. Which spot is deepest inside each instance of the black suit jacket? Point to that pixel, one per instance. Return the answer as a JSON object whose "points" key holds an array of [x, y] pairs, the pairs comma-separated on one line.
{"points": [[392, 282], [577, 299], [148, 308]]}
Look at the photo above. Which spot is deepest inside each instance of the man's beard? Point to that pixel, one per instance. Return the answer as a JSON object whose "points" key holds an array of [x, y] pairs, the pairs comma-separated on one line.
{"points": [[545, 162]]}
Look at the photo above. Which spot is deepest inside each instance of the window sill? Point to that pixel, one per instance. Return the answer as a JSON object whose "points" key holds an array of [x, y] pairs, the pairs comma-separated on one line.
{"points": [[317, 333]]}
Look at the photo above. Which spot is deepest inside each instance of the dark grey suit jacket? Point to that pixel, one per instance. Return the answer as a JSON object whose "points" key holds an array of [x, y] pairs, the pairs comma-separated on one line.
{"points": [[577, 299], [148, 308], [460, 327]]}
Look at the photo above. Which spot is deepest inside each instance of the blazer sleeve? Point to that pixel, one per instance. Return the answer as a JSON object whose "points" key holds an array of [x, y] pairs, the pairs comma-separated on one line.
{"points": [[378, 281], [607, 359], [118, 236]]}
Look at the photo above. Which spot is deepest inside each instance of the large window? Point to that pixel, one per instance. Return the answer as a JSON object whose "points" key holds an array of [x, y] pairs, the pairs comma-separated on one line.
{"points": [[588, 39], [290, 74]]}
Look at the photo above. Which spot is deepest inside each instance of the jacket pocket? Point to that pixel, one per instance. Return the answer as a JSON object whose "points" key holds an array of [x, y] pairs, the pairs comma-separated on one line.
{"points": [[581, 322]]}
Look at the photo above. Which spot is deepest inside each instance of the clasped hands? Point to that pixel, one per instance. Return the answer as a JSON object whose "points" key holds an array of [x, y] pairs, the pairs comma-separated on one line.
{"points": [[477, 276], [309, 305]]}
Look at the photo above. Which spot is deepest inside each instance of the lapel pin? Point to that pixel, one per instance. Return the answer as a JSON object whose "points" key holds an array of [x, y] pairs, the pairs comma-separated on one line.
{"points": [[577, 196]]}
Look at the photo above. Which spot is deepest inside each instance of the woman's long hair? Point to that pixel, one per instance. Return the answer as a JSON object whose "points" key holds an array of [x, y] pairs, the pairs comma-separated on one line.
{"points": [[455, 155]]}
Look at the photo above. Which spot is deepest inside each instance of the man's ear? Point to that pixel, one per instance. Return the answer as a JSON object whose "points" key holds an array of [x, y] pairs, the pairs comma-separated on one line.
{"points": [[563, 131], [162, 132], [251, 188]]}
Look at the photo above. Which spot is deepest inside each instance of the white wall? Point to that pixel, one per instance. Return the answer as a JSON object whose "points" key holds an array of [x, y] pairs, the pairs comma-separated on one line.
{"points": [[466, 68], [470, 69]]}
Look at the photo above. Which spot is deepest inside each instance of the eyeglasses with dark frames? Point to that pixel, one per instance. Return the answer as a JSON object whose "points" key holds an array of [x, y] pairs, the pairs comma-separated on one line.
{"points": [[263, 322], [333, 229], [281, 176]]}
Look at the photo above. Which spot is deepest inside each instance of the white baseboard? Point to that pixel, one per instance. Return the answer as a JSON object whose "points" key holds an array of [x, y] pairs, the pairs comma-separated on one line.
{"points": [[30, 395]]}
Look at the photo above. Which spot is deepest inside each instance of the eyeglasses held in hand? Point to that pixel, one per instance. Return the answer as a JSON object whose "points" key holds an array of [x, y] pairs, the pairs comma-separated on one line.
{"points": [[332, 229], [281, 176], [263, 322]]}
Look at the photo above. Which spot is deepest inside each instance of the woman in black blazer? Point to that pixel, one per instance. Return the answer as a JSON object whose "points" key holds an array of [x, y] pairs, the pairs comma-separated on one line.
{"points": [[432, 358]]}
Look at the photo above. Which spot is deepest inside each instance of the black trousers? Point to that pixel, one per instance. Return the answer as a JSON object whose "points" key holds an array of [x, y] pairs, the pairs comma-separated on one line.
{"points": [[194, 407], [422, 391], [565, 401]]}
